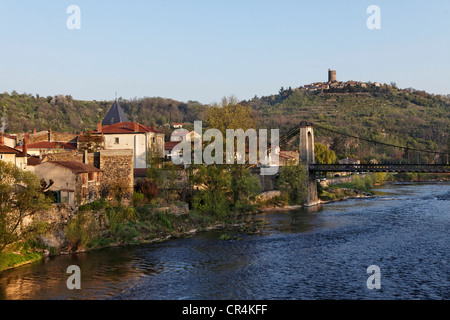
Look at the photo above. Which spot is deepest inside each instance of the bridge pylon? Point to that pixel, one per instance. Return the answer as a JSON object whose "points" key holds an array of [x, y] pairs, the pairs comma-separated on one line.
{"points": [[306, 154]]}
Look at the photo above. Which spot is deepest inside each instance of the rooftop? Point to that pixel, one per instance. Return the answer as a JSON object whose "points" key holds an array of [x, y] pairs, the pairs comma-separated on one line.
{"points": [[114, 115], [7, 150], [127, 127], [76, 166], [50, 145]]}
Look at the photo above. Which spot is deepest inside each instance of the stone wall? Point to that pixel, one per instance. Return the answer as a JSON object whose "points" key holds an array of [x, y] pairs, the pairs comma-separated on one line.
{"points": [[268, 182], [117, 166], [338, 180], [57, 216], [54, 137]]}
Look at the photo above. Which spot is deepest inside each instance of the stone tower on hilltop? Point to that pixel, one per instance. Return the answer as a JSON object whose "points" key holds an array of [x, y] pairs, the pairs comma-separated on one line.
{"points": [[331, 75]]}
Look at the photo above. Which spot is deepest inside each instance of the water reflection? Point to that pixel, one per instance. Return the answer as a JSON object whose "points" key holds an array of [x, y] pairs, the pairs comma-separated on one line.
{"points": [[320, 252]]}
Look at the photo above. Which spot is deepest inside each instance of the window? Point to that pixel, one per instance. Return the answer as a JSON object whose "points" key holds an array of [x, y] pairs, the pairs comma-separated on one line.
{"points": [[116, 141], [83, 178], [83, 192], [1, 157], [91, 176]]}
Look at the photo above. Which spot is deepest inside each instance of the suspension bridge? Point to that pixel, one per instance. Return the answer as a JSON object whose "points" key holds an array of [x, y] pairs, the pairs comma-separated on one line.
{"points": [[412, 159]]}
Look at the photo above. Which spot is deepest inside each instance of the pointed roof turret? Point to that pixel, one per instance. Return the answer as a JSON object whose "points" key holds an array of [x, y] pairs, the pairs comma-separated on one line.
{"points": [[114, 115]]}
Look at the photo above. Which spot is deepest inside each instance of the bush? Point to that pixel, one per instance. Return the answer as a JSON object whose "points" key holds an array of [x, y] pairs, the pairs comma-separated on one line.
{"points": [[293, 183], [137, 199], [213, 203], [148, 188], [80, 231]]}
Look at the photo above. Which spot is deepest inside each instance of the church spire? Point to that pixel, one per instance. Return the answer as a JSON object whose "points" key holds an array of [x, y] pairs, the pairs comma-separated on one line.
{"points": [[115, 114]]}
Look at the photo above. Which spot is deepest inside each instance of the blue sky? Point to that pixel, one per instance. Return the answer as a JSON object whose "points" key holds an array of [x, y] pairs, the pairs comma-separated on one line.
{"points": [[204, 50]]}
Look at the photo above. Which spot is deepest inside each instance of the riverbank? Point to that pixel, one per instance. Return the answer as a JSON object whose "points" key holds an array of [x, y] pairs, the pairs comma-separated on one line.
{"points": [[109, 226], [125, 226]]}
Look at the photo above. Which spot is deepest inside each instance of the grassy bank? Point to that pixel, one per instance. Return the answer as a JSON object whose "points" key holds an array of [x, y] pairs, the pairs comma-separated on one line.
{"points": [[23, 253], [101, 224], [363, 186]]}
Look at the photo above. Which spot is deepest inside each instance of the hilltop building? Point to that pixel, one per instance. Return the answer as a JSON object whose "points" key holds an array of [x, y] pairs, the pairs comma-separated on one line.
{"points": [[331, 76]]}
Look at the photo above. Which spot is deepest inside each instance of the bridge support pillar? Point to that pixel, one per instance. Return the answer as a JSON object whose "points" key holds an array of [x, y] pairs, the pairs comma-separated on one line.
{"points": [[306, 153]]}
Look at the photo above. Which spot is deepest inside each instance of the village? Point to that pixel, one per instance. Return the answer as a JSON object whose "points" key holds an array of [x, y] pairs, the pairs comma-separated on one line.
{"points": [[81, 168]]}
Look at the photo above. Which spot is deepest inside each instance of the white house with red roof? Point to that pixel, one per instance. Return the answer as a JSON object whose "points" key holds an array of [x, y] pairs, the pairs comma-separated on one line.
{"points": [[133, 135]]}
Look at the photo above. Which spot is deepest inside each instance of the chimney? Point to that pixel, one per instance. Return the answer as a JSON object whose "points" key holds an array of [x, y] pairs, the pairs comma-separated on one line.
{"points": [[85, 157], [136, 127], [49, 135], [25, 145], [99, 127], [34, 131], [2, 139]]}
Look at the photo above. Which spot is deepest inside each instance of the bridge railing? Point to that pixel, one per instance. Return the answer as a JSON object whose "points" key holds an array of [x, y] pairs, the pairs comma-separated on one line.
{"points": [[434, 168]]}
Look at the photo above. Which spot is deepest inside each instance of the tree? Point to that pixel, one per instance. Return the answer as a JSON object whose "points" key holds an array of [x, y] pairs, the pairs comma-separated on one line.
{"points": [[230, 186], [21, 199], [293, 183], [230, 115], [323, 155]]}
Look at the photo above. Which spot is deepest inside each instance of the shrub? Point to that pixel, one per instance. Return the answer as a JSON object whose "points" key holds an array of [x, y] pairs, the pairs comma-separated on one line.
{"points": [[137, 199], [148, 188], [80, 231]]}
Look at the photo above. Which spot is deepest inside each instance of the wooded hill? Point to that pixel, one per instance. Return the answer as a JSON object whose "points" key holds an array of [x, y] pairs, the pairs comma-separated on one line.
{"points": [[387, 114]]}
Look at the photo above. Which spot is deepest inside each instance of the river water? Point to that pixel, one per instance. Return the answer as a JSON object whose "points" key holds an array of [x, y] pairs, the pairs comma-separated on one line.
{"points": [[320, 253]]}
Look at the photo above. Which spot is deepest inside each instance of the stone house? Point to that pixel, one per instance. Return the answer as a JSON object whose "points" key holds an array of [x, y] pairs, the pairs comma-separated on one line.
{"points": [[74, 182], [116, 165]]}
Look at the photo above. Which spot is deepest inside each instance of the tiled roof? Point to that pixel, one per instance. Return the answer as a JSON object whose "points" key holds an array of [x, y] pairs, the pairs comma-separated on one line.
{"points": [[7, 150], [126, 127], [50, 145], [90, 138], [33, 161], [76, 166], [170, 145]]}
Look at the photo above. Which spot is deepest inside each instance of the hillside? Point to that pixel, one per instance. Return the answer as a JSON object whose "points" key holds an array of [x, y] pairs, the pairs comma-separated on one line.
{"points": [[26, 112], [387, 114]]}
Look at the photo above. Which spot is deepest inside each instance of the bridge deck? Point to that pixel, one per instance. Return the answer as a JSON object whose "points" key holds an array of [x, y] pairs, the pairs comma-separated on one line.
{"points": [[432, 168]]}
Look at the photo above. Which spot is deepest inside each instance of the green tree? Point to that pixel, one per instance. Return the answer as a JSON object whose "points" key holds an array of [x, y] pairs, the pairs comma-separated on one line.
{"points": [[323, 155], [214, 192], [293, 183], [21, 200], [230, 115]]}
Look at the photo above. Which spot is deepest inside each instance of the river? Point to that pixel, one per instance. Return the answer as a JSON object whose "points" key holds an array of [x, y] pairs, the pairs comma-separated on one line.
{"points": [[319, 253]]}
